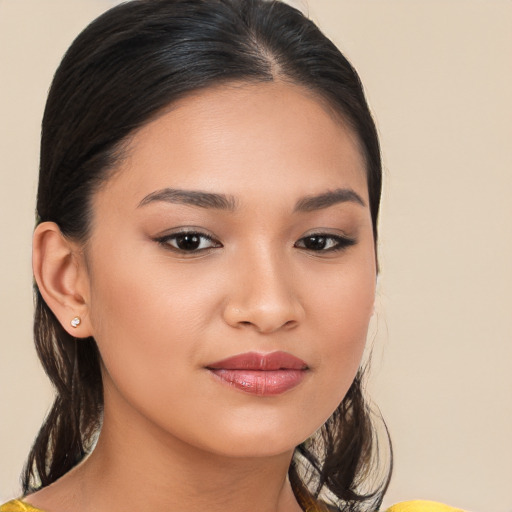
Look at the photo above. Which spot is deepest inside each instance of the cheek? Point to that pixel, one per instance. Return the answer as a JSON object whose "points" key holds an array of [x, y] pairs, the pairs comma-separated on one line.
{"points": [[342, 309], [141, 316], [149, 335], [343, 301]]}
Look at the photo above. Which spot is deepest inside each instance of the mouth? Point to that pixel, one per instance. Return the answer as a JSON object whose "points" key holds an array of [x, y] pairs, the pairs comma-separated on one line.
{"points": [[261, 374]]}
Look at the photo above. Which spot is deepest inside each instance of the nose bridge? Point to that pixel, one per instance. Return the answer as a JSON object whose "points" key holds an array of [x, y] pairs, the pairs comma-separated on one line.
{"points": [[264, 294]]}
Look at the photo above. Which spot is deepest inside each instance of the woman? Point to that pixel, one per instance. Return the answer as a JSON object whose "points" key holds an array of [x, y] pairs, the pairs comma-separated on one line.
{"points": [[205, 265]]}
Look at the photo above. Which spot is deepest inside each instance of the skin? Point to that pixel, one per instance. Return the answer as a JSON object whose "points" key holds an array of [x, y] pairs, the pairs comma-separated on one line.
{"points": [[174, 436]]}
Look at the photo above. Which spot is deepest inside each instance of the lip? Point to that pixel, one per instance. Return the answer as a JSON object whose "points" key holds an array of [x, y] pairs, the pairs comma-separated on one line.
{"points": [[261, 374]]}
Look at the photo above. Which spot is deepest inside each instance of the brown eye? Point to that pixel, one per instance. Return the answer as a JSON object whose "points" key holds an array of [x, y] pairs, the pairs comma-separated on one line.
{"points": [[315, 243], [324, 242], [189, 242]]}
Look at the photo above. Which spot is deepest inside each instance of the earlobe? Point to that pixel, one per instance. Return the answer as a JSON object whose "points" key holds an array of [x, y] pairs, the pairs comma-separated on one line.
{"points": [[61, 278]]}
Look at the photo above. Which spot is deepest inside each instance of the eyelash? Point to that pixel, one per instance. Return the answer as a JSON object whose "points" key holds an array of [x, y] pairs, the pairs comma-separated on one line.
{"points": [[338, 243]]}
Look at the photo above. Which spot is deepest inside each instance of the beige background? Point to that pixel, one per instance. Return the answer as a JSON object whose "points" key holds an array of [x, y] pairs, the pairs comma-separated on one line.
{"points": [[438, 75]]}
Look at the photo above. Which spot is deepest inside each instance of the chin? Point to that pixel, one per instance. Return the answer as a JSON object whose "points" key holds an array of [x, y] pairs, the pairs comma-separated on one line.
{"points": [[265, 439], [256, 448]]}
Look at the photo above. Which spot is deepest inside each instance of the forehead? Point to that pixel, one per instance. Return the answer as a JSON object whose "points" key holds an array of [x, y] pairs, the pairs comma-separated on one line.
{"points": [[236, 138]]}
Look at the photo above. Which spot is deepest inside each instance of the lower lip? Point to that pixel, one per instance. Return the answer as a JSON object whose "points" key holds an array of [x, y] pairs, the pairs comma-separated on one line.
{"points": [[261, 382]]}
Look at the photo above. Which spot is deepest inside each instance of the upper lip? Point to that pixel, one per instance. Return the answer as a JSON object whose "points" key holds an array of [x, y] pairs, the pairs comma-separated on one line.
{"points": [[264, 362]]}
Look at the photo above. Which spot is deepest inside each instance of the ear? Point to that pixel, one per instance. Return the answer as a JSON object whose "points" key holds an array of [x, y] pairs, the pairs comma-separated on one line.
{"points": [[61, 275]]}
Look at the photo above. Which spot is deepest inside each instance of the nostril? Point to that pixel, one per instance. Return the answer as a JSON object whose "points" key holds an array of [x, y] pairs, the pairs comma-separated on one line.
{"points": [[262, 317]]}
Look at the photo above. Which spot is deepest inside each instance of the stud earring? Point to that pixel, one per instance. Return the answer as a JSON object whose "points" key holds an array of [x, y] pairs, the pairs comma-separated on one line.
{"points": [[76, 322]]}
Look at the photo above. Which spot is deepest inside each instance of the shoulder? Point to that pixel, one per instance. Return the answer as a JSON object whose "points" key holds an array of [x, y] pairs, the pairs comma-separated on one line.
{"points": [[18, 506], [421, 506]]}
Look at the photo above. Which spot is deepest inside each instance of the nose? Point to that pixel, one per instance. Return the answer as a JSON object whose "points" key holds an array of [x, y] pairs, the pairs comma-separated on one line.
{"points": [[264, 297]]}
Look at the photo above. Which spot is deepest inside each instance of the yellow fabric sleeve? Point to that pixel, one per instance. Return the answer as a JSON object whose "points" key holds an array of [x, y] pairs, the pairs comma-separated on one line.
{"points": [[18, 506], [421, 506]]}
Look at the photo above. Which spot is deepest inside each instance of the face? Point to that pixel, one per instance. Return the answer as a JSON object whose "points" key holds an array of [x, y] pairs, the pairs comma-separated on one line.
{"points": [[231, 270]]}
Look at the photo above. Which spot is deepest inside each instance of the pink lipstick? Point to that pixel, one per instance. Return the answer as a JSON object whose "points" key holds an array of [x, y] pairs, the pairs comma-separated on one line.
{"points": [[261, 374]]}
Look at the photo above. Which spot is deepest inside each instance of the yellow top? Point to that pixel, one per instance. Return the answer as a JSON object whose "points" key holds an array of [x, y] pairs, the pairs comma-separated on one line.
{"points": [[406, 506], [18, 506], [418, 506]]}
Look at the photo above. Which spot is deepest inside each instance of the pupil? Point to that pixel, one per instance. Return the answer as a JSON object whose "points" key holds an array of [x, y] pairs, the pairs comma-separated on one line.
{"points": [[315, 242], [188, 242]]}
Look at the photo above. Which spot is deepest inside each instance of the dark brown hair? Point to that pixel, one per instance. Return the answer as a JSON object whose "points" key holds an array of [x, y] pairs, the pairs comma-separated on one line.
{"points": [[120, 72]]}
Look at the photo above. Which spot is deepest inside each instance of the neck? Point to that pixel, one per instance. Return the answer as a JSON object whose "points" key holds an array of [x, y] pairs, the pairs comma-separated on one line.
{"points": [[170, 475], [165, 481]]}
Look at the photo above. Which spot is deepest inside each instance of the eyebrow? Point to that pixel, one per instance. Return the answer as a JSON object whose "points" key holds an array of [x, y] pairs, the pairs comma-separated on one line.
{"points": [[226, 202], [191, 197], [327, 199]]}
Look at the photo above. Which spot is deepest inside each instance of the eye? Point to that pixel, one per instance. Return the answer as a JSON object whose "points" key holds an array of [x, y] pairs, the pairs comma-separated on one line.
{"points": [[188, 241], [323, 242]]}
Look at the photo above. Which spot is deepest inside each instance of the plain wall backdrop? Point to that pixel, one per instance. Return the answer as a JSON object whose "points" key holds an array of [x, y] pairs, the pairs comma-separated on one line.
{"points": [[438, 76]]}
